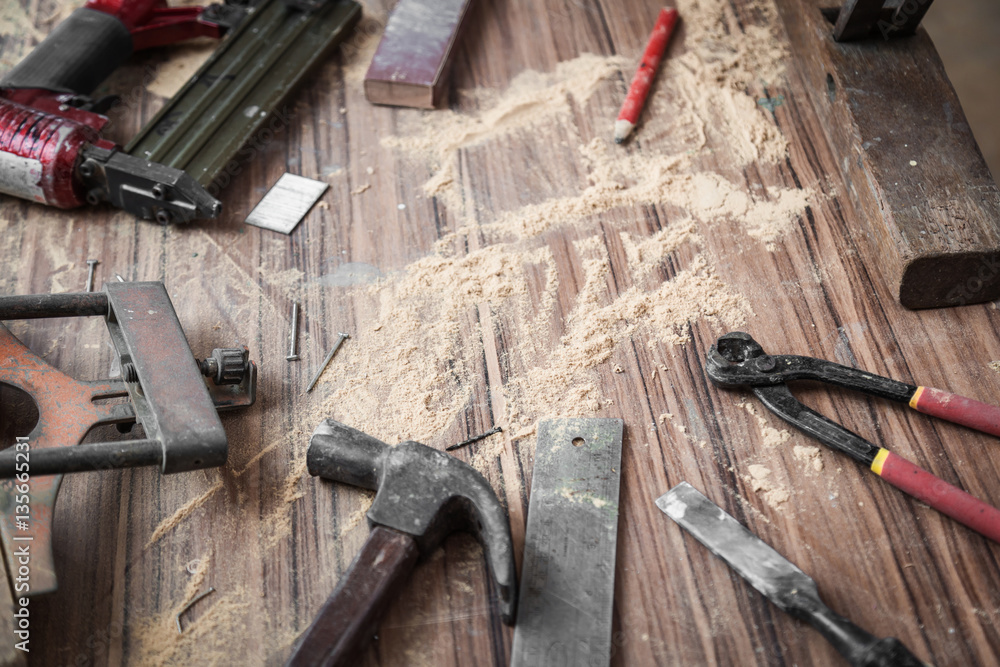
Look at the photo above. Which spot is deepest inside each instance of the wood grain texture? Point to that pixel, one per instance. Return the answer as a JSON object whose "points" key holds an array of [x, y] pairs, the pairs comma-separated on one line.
{"points": [[908, 155], [273, 542]]}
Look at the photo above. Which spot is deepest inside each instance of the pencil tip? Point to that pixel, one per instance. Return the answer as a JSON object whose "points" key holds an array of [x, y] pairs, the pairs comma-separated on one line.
{"points": [[623, 128]]}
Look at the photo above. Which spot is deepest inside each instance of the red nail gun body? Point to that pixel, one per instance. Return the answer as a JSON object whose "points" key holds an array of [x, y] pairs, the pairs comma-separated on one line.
{"points": [[51, 149]]}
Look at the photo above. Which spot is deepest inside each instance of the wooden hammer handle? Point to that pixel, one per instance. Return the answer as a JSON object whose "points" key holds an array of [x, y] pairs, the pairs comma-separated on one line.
{"points": [[349, 618]]}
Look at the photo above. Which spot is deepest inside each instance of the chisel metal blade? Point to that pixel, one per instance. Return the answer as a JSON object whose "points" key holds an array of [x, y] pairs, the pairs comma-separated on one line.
{"points": [[782, 583], [768, 571]]}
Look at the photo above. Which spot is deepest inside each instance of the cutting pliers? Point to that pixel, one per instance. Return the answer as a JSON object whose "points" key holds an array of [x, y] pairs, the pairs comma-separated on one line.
{"points": [[737, 360]]}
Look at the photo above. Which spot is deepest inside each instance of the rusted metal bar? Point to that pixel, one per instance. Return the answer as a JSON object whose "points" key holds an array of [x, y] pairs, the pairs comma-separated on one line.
{"points": [[37, 306]]}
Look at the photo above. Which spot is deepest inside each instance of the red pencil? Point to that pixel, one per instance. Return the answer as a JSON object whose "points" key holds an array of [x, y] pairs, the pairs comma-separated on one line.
{"points": [[637, 92]]}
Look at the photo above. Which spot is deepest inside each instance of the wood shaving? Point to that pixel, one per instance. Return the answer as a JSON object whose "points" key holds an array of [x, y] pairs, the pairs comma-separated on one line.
{"points": [[810, 455], [770, 436], [182, 513], [760, 480]]}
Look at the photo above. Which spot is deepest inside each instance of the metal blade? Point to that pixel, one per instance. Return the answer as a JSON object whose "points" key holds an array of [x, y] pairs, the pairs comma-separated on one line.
{"points": [[284, 206], [564, 617], [768, 571]]}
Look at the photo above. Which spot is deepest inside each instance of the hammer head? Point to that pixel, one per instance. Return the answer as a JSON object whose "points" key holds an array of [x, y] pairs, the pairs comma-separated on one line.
{"points": [[421, 492]]}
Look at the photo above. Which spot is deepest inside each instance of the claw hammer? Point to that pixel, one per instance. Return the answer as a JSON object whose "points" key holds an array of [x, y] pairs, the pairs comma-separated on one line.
{"points": [[422, 496]]}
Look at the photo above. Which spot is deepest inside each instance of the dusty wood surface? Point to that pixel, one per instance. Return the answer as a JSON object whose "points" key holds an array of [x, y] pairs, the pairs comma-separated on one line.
{"points": [[133, 547], [944, 252]]}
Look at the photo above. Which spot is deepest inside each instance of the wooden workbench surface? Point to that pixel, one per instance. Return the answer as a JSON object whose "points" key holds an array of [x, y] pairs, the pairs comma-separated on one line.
{"points": [[497, 264]]}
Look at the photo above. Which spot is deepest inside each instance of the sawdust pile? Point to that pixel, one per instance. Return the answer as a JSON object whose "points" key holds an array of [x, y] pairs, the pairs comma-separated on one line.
{"points": [[410, 374], [701, 107], [770, 436], [532, 101], [619, 180], [160, 643], [564, 384], [411, 356], [416, 358], [810, 455]]}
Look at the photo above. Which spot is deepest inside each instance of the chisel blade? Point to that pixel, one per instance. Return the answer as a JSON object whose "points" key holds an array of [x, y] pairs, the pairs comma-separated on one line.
{"points": [[768, 571]]}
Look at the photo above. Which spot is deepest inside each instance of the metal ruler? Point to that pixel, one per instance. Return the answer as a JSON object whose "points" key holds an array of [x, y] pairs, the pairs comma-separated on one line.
{"points": [[568, 577]]}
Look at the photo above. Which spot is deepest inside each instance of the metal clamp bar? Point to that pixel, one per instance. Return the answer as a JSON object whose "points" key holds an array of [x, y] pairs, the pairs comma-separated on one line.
{"points": [[38, 306], [97, 456], [173, 405]]}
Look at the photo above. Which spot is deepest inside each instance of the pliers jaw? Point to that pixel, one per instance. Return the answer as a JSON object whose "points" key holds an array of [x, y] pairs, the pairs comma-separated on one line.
{"points": [[737, 360]]}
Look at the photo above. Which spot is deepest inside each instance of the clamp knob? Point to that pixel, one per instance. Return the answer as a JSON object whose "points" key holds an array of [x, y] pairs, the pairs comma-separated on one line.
{"points": [[227, 365]]}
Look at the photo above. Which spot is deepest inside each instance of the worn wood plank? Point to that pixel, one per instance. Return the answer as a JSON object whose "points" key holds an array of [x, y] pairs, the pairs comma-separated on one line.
{"points": [[908, 156], [273, 541]]}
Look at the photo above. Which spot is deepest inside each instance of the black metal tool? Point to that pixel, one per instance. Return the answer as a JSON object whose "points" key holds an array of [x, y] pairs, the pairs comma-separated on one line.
{"points": [[737, 360], [791, 589], [169, 397], [422, 496], [859, 19], [234, 105]]}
